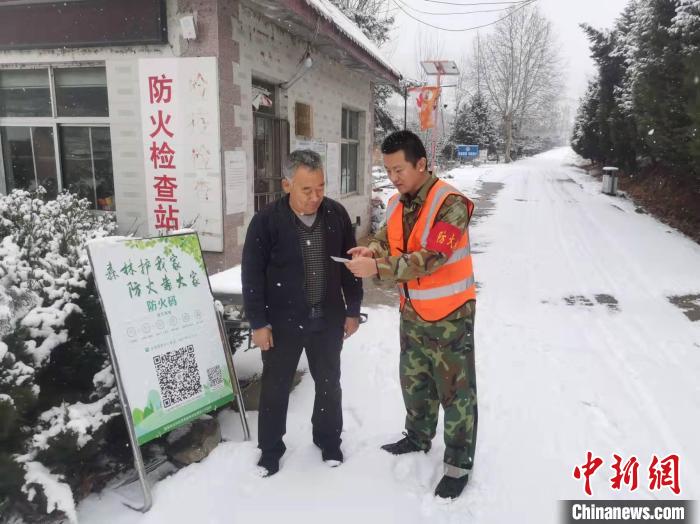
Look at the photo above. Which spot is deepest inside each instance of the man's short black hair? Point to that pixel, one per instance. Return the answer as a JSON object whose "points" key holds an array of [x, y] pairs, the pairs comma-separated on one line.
{"points": [[406, 141]]}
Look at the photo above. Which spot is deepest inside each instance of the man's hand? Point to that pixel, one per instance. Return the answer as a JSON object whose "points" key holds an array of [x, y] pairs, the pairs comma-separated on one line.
{"points": [[263, 338], [351, 325], [362, 267], [361, 251]]}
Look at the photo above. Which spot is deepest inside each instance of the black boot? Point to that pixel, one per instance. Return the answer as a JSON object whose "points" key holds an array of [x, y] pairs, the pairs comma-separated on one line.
{"points": [[269, 463], [451, 487], [332, 456], [405, 445]]}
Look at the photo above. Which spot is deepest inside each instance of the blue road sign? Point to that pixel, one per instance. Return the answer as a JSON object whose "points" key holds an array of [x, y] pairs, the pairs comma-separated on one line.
{"points": [[464, 151]]}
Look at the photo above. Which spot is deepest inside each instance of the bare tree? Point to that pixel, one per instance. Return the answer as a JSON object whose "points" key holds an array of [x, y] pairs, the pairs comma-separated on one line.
{"points": [[520, 69], [429, 46], [463, 82], [469, 80]]}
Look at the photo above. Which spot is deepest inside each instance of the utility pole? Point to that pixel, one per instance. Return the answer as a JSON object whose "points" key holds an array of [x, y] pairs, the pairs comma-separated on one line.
{"points": [[405, 104], [438, 68]]}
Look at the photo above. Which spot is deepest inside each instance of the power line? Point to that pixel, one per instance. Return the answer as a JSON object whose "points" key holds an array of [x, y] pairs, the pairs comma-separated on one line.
{"points": [[401, 6], [432, 13], [474, 3], [460, 4]]}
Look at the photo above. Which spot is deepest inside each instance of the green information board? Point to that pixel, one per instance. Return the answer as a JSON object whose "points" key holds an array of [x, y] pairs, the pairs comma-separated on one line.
{"points": [[164, 329]]}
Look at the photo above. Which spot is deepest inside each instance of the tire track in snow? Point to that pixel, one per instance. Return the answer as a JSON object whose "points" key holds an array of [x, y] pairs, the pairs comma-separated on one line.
{"points": [[588, 232]]}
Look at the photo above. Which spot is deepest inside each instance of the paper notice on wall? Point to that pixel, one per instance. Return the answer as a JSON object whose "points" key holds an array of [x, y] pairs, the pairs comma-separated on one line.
{"points": [[236, 171], [314, 145], [332, 169]]}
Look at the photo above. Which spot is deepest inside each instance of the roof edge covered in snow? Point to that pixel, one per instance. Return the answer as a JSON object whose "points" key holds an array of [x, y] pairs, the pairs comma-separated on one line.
{"points": [[338, 36], [329, 11]]}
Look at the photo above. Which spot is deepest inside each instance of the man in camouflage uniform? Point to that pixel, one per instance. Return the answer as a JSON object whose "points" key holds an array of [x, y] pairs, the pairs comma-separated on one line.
{"points": [[437, 358]]}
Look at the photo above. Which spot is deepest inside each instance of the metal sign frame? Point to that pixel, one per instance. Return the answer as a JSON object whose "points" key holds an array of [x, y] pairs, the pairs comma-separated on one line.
{"points": [[139, 464], [437, 68], [467, 151]]}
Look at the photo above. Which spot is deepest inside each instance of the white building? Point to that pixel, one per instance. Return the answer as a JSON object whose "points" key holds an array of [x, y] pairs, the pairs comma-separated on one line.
{"points": [[174, 113]]}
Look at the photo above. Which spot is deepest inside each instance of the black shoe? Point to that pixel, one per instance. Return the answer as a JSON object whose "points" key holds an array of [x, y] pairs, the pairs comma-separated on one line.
{"points": [[405, 445], [332, 456], [451, 487], [269, 463]]}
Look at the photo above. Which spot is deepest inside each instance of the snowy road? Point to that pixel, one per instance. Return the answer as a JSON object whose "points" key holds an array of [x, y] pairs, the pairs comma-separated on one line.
{"points": [[578, 349]]}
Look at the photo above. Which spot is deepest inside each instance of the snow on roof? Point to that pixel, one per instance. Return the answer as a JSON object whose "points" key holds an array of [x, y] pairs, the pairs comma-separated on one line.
{"points": [[331, 13]]}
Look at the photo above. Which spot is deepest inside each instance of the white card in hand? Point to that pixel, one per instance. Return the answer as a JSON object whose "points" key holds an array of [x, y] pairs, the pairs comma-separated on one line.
{"points": [[340, 259]]}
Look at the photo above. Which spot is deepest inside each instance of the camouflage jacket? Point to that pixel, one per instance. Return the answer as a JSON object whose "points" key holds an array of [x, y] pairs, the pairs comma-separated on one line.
{"points": [[416, 264]]}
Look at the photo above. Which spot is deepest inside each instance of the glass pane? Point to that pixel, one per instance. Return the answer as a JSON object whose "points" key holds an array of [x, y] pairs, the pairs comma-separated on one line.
{"points": [[17, 158], [81, 91], [344, 168], [25, 92], [102, 160], [344, 125], [45, 160], [77, 162], [352, 167], [353, 124], [267, 183]]}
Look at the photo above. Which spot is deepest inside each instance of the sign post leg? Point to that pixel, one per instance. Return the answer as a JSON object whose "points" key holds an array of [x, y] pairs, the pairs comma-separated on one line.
{"points": [[135, 448], [234, 377]]}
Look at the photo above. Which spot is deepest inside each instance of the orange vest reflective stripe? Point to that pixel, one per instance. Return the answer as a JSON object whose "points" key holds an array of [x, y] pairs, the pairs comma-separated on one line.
{"points": [[437, 295]]}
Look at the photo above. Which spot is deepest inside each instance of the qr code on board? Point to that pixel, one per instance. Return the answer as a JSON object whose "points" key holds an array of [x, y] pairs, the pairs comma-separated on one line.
{"points": [[216, 378], [178, 375]]}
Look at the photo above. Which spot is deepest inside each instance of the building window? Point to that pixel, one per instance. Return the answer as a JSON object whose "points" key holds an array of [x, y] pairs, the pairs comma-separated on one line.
{"points": [[270, 145], [29, 158], [25, 92], [349, 151], [81, 91], [54, 132], [86, 162]]}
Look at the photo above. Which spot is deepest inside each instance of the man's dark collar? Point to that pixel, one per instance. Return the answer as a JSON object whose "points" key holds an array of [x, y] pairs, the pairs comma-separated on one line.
{"points": [[420, 195]]}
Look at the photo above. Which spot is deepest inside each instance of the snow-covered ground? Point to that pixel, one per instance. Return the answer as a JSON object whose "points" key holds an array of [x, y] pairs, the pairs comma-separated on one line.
{"points": [[578, 349]]}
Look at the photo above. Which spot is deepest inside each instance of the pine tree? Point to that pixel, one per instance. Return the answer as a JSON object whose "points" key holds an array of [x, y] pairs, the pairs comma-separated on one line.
{"points": [[474, 124], [648, 92], [585, 140], [658, 84], [616, 133], [686, 27]]}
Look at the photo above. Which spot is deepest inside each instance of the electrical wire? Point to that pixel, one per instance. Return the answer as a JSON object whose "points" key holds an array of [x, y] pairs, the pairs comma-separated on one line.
{"points": [[474, 3], [401, 6], [433, 13]]}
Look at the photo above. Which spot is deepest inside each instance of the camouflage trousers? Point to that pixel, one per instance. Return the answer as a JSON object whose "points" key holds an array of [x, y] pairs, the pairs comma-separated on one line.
{"points": [[437, 368]]}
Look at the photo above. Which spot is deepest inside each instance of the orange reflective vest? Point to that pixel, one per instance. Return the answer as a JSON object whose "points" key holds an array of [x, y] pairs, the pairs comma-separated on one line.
{"points": [[437, 295]]}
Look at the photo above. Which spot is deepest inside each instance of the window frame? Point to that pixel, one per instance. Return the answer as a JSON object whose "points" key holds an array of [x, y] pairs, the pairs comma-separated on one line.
{"points": [[348, 141], [3, 180], [54, 121], [280, 138]]}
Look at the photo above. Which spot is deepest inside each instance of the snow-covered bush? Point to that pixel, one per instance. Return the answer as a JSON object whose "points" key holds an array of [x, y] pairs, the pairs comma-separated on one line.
{"points": [[58, 403], [378, 213]]}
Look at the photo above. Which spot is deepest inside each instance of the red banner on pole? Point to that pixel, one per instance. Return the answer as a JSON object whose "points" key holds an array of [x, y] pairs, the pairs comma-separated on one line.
{"points": [[427, 104]]}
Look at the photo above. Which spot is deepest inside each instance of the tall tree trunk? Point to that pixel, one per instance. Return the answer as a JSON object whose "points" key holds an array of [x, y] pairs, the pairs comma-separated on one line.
{"points": [[509, 137]]}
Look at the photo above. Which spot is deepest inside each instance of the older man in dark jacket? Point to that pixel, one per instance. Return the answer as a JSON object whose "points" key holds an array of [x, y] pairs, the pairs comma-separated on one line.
{"points": [[297, 298]]}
